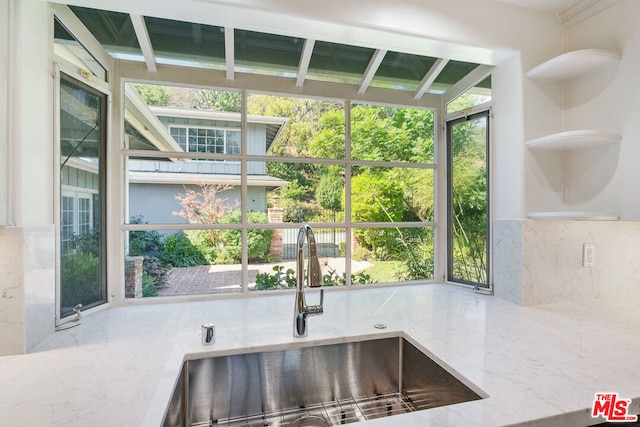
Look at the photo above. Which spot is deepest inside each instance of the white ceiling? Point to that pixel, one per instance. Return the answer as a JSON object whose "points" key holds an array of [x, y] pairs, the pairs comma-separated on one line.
{"points": [[551, 6]]}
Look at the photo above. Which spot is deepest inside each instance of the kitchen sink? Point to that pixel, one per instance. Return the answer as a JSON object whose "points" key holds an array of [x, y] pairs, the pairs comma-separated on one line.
{"points": [[319, 385]]}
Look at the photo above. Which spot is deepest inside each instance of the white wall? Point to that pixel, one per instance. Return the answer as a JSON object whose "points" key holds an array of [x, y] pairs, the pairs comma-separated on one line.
{"points": [[606, 178], [540, 261], [4, 112], [27, 297]]}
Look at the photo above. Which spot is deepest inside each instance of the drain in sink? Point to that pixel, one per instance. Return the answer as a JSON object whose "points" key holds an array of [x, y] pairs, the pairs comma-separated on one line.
{"points": [[310, 421]]}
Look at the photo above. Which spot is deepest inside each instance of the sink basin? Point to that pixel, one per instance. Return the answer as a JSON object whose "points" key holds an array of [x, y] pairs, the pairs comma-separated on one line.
{"points": [[320, 385]]}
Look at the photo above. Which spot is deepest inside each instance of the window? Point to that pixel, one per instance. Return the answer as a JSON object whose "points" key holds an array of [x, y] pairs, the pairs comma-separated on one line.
{"points": [[76, 217], [207, 140], [82, 276], [368, 194], [468, 210]]}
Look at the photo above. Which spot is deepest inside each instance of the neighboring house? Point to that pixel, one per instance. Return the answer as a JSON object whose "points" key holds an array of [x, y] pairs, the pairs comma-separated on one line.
{"points": [[155, 183]]}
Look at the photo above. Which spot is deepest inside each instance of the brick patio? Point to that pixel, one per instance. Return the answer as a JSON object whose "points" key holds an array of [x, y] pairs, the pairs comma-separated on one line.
{"points": [[205, 279], [215, 279]]}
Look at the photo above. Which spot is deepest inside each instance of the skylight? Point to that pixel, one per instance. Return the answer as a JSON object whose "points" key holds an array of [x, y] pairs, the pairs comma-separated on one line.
{"points": [[164, 41]]}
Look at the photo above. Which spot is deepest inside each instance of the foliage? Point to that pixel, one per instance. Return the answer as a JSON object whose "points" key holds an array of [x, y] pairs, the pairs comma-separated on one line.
{"points": [[279, 280], [89, 242], [329, 190], [375, 199], [178, 251], [329, 142], [79, 278], [417, 261], [155, 94], [156, 271], [332, 278], [203, 206], [218, 100], [149, 287], [154, 277], [469, 203], [229, 241], [143, 242], [296, 191]]}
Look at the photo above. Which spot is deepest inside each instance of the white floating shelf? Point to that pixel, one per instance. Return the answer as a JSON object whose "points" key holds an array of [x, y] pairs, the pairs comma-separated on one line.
{"points": [[573, 140], [573, 64], [575, 216]]}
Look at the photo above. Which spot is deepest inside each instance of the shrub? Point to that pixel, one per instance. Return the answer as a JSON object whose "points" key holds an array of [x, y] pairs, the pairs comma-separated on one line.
{"points": [[329, 190], [149, 286], [178, 251], [158, 273], [230, 241], [89, 242], [279, 280], [334, 279], [205, 243], [143, 242], [80, 279], [375, 199]]}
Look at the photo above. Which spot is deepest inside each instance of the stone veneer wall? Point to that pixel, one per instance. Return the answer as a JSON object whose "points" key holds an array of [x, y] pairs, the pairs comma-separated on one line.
{"points": [[133, 276]]}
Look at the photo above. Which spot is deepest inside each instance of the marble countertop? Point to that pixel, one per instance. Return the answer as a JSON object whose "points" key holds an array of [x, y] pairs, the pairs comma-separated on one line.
{"points": [[539, 365]]}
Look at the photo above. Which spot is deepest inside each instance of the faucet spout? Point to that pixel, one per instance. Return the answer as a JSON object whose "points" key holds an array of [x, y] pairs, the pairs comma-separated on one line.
{"points": [[314, 279]]}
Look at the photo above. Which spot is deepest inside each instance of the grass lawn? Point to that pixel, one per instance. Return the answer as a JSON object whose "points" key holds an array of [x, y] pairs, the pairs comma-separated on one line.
{"points": [[383, 271]]}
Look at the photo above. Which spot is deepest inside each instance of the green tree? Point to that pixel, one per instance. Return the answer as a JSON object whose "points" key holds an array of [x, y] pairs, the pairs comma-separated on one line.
{"points": [[218, 100], [155, 94], [375, 198], [329, 190]]}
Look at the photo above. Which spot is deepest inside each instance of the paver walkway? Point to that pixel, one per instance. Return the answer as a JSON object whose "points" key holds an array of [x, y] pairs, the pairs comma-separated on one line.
{"points": [[212, 279]]}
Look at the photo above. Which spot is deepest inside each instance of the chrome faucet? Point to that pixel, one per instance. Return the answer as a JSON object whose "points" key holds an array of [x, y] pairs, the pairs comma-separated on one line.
{"points": [[314, 280]]}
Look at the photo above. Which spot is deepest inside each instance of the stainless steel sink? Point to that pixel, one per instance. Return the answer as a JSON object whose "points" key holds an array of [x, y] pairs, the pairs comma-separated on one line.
{"points": [[320, 385]]}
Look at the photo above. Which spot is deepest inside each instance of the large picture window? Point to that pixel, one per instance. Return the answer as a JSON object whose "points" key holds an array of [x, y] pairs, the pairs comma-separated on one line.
{"points": [[361, 175]]}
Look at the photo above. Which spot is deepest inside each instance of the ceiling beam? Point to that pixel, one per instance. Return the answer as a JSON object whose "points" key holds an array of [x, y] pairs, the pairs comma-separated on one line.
{"points": [[84, 36], [215, 79], [476, 75], [305, 58], [430, 77], [140, 27], [373, 66], [229, 52]]}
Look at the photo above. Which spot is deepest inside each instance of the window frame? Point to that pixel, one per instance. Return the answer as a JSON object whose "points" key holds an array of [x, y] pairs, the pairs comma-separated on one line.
{"points": [[245, 158], [187, 146], [62, 71], [480, 110]]}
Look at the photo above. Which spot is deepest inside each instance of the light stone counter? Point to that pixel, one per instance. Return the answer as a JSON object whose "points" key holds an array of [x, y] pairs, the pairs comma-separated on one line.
{"points": [[119, 366]]}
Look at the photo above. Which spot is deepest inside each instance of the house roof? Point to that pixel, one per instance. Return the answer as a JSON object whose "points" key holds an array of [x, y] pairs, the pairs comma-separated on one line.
{"points": [[152, 132], [195, 178], [146, 123]]}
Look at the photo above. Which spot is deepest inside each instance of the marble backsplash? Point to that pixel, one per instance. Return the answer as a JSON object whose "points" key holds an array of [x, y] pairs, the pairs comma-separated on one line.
{"points": [[27, 287], [540, 262]]}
